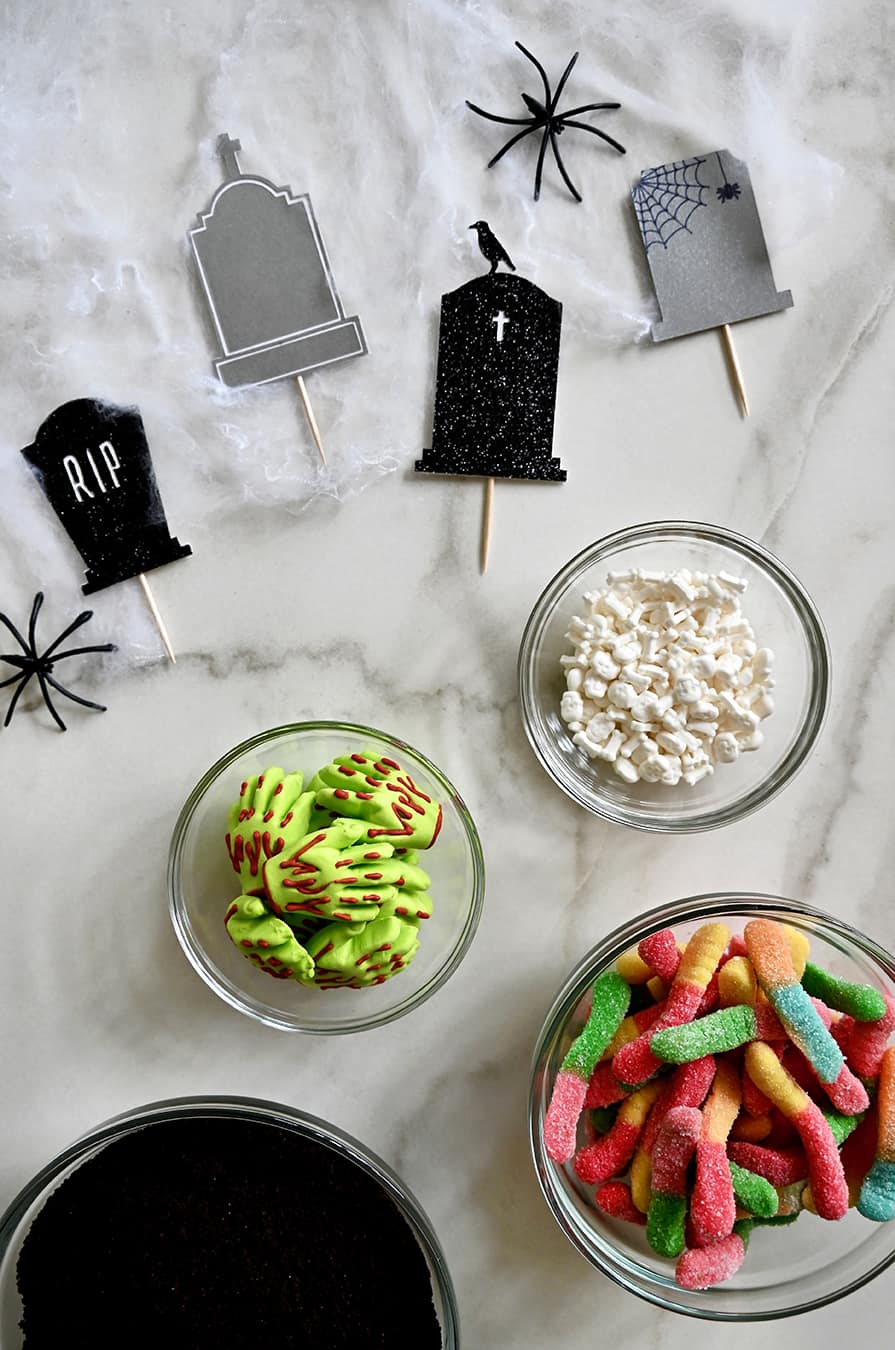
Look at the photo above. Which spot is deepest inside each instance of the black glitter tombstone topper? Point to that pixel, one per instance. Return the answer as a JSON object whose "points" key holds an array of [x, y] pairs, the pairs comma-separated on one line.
{"points": [[93, 462], [495, 388]]}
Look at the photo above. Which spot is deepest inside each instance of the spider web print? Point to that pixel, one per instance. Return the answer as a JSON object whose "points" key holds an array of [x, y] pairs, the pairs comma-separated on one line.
{"points": [[666, 198]]}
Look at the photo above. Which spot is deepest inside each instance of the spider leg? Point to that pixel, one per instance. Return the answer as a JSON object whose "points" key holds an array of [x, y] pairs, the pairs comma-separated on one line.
{"points": [[492, 117], [42, 681], [77, 623], [562, 168], [586, 107], [23, 678], [582, 126], [509, 145], [32, 622], [540, 165], [548, 98], [562, 82], [15, 632], [12, 679], [75, 698], [80, 651]]}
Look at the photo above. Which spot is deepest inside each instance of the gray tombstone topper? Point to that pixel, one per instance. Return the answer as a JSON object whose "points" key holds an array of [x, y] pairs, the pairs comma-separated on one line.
{"points": [[704, 245], [267, 279]]}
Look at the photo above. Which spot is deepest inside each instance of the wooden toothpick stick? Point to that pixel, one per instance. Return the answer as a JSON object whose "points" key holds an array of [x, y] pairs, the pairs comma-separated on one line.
{"points": [[159, 621], [309, 414], [736, 374], [487, 507]]}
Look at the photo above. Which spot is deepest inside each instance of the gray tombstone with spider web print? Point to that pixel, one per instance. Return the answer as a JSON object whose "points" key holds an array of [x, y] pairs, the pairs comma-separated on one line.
{"points": [[704, 245]]}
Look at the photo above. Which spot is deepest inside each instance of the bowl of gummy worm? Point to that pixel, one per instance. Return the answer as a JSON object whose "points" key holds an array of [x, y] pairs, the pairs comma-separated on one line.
{"points": [[713, 1107]]}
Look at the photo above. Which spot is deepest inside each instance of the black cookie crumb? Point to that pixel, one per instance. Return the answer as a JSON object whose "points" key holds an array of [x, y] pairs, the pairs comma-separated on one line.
{"points": [[224, 1234]]}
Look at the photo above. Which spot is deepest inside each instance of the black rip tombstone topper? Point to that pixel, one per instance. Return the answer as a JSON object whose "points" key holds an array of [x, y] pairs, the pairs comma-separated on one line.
{"points": [[495, 386], [92, 460], [706, 250], [269, 286]]}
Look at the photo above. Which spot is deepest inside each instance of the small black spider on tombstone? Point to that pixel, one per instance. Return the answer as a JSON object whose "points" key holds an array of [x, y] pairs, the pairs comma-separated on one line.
{"points": [[41, 664], [546, 118]]}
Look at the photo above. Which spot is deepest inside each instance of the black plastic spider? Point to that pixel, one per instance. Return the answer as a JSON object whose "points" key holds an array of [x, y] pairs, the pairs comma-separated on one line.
{"points": [[729, 191], [544, 117], [41, 664]]}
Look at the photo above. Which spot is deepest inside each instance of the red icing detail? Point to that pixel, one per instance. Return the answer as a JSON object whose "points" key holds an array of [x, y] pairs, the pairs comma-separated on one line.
{"points": [[341, 794], [365, 796], [377, 899], [361, 959], [337, 915], [324, 951], [260, 779], [401, 910], [245, 943], [358, 759], [343, 768], [421, 914], [288, 816], [372, 857], [344, 862], [274, 961], [231, 911], [386, 947], [268, 816], [389, 763], [278, 789], [242, 790], [262, 942], [372, 876]]}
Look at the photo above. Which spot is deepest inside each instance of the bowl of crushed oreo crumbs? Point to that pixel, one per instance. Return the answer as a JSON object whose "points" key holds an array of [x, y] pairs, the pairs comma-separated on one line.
{"points": [[226, 1223]]}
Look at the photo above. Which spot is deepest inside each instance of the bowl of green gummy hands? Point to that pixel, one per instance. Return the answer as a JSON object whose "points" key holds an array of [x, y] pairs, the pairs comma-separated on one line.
{"points": [[325, 877]]}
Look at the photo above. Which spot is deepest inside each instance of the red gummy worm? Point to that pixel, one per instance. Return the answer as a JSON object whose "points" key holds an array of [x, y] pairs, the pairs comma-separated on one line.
{"points": [[687, 1086], [604, 1088], [660, 953], [779, 1166], [674, 1148], [603, 1159], [561, 1120], [701, 1267], [635, 1063], [867, 1041], [614, 1198]]}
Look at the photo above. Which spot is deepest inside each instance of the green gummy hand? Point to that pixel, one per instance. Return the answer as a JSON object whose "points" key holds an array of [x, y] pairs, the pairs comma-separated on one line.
{"points": [[266, 941], [382, 794], [271, 811], [355, 956], [324, 876]]}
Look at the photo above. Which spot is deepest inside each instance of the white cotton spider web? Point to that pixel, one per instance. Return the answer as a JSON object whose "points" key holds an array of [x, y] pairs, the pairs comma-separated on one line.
{"points": [[665, 199]]}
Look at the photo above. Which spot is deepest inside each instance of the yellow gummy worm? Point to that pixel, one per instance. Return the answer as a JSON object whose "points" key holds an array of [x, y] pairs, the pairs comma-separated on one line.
{"points": [[736, 982], [702, 954], [641, 1180], [632, 968], [799, 949], [723, 1105], [635, 1109], [657, 987], [627, 1032], [753, 1129], [767, 1073]]}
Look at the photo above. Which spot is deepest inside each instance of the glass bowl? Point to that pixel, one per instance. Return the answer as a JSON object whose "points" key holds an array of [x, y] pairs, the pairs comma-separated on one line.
{"points": [[19, 1216], [787, 1270], [784, 619], [201, 883]]}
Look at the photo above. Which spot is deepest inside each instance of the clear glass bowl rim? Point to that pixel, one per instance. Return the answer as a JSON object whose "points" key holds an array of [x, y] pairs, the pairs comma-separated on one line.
{"points": [[193, 950], [696, 908], [804, 609], [273, 1113]]}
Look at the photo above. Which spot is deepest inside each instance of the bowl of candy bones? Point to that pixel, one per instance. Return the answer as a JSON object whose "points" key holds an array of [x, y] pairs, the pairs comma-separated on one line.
{"points": [[673, 676], [712, 1110]]}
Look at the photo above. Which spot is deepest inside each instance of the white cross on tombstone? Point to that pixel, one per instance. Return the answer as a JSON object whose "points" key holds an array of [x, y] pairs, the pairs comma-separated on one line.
{"points": [[501, 320]]}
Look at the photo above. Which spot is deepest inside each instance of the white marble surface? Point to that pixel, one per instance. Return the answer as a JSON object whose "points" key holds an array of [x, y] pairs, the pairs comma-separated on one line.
{"points": [[370, 607]]}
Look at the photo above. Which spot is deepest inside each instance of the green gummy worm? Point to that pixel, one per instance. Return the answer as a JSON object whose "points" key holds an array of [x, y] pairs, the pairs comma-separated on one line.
{"points": [[611, 998], [753, 1192], [841, 1126], [860, 1001], [712, 1035], [665, 1223]]}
